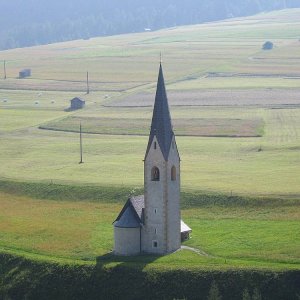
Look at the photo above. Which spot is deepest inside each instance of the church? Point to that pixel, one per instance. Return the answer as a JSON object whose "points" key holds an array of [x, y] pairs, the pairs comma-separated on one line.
{"points": [[151, 223]]}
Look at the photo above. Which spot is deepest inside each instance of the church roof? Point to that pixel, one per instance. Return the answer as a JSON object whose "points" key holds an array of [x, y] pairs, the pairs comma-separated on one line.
{"points": [[131, 216], [128, 219], [138, 204], [161, 125]]}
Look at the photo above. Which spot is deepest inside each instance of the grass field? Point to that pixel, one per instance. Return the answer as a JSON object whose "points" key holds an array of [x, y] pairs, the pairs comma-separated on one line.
{"points": [[82, 231], [266, 165], [235, 109], [185, 127], [269, 98]]}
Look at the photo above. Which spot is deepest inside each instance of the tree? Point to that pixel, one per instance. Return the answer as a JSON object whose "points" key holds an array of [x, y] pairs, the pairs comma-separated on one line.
{"points": [[256, 294], [214, 293], [32, 22], [246, 295]]}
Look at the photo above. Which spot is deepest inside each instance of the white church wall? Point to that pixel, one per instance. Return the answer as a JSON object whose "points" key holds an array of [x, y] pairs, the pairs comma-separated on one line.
{"points": [[155, 209], [127, 241], [173, 220]]}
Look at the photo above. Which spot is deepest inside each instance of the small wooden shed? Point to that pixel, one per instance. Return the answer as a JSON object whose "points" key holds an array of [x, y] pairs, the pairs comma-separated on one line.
{"points": [[77, 103], [25, 73]]}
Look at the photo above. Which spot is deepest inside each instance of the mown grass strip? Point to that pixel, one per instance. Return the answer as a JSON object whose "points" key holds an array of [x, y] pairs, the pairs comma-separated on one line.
{"points": [[119, 194], [215, 127], [53, 191]]}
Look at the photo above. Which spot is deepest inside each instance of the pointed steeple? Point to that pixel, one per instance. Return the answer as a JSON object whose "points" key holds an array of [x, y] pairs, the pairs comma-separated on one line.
{"points": [[161, 125]]}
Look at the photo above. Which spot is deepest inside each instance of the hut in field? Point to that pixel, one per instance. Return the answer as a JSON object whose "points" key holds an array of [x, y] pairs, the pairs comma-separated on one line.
{"points": [[25, 73], [76, 103]]}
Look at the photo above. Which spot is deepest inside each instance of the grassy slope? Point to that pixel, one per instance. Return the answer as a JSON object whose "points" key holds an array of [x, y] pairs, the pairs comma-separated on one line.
{"points": [[237, 163], [29, 279], [123, 66], [184, 127], [260, 237], [80, 228]]}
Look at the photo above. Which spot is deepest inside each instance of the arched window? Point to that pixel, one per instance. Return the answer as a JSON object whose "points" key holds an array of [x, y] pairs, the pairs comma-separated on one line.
{"points": [[173, 173], [155, 174]]}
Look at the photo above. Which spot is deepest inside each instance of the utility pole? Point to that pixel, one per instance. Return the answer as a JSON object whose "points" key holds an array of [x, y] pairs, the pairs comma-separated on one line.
{"points": [[87, 83], [4, 67], [80, 137]]}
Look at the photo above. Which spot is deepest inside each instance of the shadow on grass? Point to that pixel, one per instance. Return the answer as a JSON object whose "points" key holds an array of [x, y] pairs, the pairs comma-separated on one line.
{"points": [[125, 277], [138, 262], [114, 194]]}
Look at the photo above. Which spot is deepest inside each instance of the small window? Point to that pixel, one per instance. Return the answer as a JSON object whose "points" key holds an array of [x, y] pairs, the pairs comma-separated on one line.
{"points": [[154, 145], [155, 210], [154, 244], [155, 174], [173, 173], [155, 230]]}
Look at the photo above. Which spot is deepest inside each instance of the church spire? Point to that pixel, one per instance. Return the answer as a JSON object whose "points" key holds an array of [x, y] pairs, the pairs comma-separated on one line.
{"points": [[161, 125]]}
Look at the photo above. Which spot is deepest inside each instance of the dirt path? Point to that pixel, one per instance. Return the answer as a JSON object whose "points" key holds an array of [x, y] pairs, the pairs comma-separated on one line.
{"points": [[198, 251]]}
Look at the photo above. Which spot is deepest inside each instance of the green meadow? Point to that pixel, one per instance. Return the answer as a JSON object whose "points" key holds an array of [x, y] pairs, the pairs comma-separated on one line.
{"points": [[243, 233], [236, 113]]}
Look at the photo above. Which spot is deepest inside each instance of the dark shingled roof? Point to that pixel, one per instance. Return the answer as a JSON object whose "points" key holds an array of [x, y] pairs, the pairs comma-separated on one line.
{"points": [[131, 216], [161, 125], [78, 99], [128, 219], [139, 204]]}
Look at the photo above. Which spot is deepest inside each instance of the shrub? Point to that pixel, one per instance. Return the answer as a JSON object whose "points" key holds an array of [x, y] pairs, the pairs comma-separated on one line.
{"points": [[246, 295], [214, 293]]}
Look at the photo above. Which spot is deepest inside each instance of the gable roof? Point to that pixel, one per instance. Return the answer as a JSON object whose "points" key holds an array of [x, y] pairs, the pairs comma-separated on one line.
{"points": [[78, 99], [128, 219], [161, 125], [131, 216]]}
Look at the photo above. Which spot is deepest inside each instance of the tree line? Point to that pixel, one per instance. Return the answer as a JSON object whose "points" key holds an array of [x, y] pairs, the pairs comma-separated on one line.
{"points": [[34, 22]]}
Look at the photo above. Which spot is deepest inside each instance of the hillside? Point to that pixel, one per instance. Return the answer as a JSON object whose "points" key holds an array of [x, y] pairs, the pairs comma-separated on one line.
{"points": [[26, 23], [236, 114], [220, 84]]}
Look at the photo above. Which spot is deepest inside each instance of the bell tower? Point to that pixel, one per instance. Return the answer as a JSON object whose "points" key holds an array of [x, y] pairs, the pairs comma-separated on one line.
{"points": [[161, 230]]}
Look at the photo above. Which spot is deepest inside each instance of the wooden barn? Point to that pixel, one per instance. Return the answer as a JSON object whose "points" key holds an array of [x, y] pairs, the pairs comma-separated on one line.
{"points": [[77, 103], [25, 73]]}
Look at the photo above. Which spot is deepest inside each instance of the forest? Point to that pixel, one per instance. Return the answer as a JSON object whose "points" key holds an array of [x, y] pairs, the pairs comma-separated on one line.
{"points": [[34, 22]]}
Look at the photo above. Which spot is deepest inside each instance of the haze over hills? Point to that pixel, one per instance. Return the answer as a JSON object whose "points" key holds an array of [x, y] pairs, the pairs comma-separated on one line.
{"points": [[33, 22], [236, 115]]}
